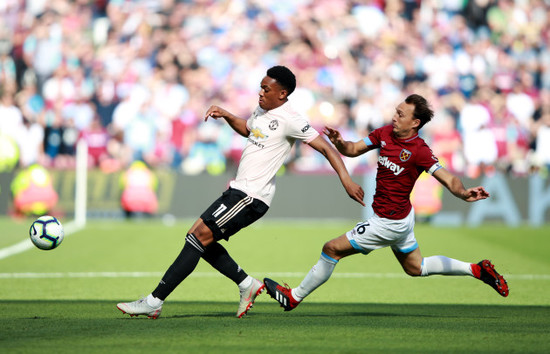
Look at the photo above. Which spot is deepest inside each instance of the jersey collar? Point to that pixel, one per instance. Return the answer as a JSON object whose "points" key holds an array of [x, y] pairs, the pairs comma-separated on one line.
{"points": [[406, 140]]}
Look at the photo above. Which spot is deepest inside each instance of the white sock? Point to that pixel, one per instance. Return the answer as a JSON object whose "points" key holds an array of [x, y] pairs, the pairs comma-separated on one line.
{"points": [[153, 301], [246, 283], [444, 266], [318, 274]]}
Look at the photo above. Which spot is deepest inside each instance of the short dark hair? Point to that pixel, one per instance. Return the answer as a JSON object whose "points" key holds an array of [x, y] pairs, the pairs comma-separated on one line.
{"points": [[422, 110], [284, 77]]}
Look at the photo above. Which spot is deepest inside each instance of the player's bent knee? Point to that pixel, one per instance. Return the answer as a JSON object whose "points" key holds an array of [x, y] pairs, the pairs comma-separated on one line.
{"points": [[329, 249], [205, 238], [413, 271]]}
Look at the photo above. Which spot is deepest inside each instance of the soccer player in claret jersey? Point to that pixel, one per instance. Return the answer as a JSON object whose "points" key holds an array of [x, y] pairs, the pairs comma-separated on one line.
{"points": [[402, 158], [271, 131]]}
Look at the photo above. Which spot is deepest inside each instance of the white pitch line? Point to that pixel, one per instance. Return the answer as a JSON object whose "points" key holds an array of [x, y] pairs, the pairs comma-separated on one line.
{"points": [[214, 275], [26, 244], [22, 246]]}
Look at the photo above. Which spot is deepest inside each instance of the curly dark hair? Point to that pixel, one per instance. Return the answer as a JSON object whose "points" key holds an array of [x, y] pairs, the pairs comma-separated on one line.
{"points": [[422, 110], [284, 77]]}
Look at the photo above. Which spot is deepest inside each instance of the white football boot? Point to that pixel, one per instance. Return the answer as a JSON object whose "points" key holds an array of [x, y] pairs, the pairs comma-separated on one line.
{"points": [[140, 307], [248, 296]]}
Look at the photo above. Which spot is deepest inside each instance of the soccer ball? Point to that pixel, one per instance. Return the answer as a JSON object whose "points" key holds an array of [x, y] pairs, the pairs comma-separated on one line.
{"points": [[46, 232]]}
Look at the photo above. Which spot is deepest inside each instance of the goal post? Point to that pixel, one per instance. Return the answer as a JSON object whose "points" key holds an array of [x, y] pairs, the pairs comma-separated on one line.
{"points": [[81, 188]]}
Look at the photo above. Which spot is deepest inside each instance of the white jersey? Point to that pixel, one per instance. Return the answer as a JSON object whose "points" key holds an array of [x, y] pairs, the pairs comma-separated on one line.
{"points": [[272, 134]]}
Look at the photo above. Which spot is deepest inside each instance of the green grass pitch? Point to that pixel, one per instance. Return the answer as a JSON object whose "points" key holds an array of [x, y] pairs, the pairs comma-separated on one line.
{"points": [[63, 301]]}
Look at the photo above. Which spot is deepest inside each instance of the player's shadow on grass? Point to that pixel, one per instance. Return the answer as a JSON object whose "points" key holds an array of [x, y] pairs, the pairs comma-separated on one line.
{"points": [[90, 326], [47, 309], [310, 315], [182, 309]]}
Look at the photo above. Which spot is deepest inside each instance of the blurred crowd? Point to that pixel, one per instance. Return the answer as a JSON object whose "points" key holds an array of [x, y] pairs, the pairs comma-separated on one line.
{"points": [[133, 78]]}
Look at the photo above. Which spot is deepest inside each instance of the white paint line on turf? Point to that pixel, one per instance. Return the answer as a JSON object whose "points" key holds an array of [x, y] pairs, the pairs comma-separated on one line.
{"points": [[214, 275], [15, 249], [26, 244]]}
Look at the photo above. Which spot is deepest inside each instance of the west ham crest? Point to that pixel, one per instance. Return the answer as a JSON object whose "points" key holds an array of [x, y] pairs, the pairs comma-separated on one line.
{"points": [[404, 155]]}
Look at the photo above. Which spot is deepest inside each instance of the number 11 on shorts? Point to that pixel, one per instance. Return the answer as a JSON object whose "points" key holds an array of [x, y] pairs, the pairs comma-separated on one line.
{"points": [[218, 211]]}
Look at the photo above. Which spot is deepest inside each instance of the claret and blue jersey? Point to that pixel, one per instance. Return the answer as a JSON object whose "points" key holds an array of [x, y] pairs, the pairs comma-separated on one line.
{"points": [[400, 163]]}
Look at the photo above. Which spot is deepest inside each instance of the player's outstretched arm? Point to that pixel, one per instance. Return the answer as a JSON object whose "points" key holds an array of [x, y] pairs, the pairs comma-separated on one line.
{"points": [[238, 124], [346, 148], [353, 189], [455, 186]]}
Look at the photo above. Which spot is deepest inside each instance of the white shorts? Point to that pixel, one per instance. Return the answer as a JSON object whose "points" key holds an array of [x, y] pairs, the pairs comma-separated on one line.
{"points": [[377, 232]]}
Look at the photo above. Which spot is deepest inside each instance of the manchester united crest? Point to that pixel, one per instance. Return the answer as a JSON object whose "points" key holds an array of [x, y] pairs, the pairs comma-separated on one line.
{"points": [[404, 155], [273, 124]]}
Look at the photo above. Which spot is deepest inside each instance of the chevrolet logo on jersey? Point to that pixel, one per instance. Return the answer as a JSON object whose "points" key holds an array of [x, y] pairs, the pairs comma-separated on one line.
{"points": [[404, 155], [257, 133]]}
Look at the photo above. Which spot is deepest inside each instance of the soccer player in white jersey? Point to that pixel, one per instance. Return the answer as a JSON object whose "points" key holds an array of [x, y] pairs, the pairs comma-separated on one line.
{"points": [[271, 132], [403, 156]]}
